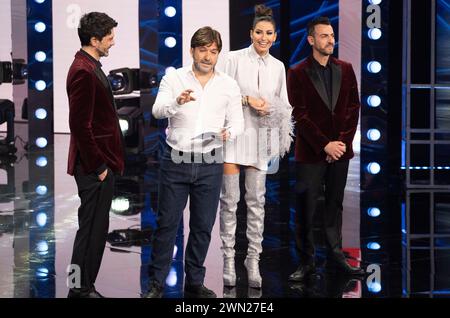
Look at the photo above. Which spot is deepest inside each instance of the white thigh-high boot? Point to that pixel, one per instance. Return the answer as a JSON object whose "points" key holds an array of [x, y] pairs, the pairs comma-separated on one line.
{"points": [[229, 199], [255, 189]]}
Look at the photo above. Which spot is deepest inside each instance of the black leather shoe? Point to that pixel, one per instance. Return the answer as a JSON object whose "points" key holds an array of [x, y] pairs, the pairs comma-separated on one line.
{"points": [[79, 293], [340, 264], [302, 272], [155, 291], [198, 291]]}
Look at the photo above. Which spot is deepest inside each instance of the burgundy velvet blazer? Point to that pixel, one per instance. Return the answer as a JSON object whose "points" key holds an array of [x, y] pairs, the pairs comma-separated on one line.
{"points": [[318, 121], [94, 128]]}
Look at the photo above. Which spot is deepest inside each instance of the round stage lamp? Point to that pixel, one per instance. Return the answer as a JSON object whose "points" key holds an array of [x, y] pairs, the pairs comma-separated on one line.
{"points": [[41, 219], [41, 189], [41, 142], [40, 85], [374, 34], [40, 113], [373, 246], [374, 287], [40, 56], [170, 11], [373, 134], [373, 168], [41, 161], [374, 67], [373, 212], [42, 272], [40, 27], [376, 2], [170, 42], [374, 100]]}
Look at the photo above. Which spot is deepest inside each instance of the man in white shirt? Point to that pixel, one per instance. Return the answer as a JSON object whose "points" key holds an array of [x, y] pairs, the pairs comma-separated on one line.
{"points": [[204, 109]]}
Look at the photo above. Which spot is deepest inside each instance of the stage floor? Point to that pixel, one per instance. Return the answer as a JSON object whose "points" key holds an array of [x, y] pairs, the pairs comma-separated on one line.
{"points": [[37, 233]]}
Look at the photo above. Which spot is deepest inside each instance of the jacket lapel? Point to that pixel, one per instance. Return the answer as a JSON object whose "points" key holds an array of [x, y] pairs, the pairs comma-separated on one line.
{"points": [[336, 74], [319, 86]]}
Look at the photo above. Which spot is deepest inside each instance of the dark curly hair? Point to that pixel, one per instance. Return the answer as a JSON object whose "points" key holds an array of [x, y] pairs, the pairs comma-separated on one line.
{"points": [[95, 24]]}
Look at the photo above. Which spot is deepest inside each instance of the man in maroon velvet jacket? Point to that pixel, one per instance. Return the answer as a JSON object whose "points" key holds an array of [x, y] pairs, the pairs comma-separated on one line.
{"points": [[96, 149], [324, 94]]}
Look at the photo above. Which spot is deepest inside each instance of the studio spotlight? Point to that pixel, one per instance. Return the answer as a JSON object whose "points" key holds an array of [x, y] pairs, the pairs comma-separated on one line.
{"points": [[373, 246], [374, 34], [376, 2], [7, 114], [40, 27], [373, 212], [170, 11], [374, 100], [373, 134], [15, 72], [374, 287], [170, 42], [126, 81], [374, 67], [373, 168]]}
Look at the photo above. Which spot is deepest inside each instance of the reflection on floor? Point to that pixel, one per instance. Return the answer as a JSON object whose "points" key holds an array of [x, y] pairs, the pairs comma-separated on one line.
{"points": [[405, 249]]}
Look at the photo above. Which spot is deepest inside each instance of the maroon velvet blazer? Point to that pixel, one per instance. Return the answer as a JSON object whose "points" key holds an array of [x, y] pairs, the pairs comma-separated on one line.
{"points": [[94, 128], [318, 121]]}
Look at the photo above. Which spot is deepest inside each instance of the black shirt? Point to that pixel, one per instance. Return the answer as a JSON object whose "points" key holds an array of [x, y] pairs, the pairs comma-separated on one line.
{"points": [[325, 77]]}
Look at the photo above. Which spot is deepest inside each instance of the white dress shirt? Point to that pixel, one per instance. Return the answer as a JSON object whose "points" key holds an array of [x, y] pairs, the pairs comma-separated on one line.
{"points": [[261, 77], [216, 106]]}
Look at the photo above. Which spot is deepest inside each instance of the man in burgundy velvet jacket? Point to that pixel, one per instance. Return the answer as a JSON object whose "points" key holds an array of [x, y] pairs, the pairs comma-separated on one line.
{"points": [[96, 149], [324, 94]]}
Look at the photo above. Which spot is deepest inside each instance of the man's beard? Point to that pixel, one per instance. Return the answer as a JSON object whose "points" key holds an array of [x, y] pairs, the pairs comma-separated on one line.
{"points": [[202, 69], [325, 52], [103, 53]]}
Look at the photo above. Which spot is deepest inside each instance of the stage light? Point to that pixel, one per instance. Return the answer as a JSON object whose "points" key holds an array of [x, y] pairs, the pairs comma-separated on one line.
{"points": [[39, 1], [376, 2], [40, 113], [40, 85], [40, 56], [41, 190], [374, 67], [374, 34], [42, 247], [40, 27], [41, 142], [373, 212], [374, 100], [374, 287], [41, 219], [171, 279], [41, 161], [127, 80], [170, 69], [170, 11], [42, 272], [373, 134], [373, 246], [170, 42], [124, 126], [175, 251], [120, 204], [373, 168]]}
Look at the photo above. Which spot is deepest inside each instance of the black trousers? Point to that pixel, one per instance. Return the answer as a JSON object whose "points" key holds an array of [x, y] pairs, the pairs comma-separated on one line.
{"points": [[93, 222], [310, 179]]}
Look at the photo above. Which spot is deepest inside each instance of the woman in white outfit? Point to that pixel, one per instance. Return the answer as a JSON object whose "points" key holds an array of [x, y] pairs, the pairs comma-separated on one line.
{"points": [[262, 80]]}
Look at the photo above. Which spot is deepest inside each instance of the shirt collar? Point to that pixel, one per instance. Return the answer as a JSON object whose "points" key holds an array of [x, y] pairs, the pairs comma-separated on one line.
{"points": [[317, 64], [190, 70], [96, 62], [254, 55]]}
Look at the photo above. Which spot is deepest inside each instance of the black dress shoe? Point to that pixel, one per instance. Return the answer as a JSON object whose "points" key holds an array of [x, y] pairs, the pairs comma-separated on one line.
{"points": [[155, 291], [198, 291], [302, 272], [339, 263], [80, 293]]}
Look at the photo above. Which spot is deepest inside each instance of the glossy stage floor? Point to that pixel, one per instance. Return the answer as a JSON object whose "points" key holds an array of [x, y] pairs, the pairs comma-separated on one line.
{"points": [[38, 225]]}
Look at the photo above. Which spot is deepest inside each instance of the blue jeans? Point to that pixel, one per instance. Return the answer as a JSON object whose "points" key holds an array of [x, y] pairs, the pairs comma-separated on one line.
{"points": [[202, 183]]}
